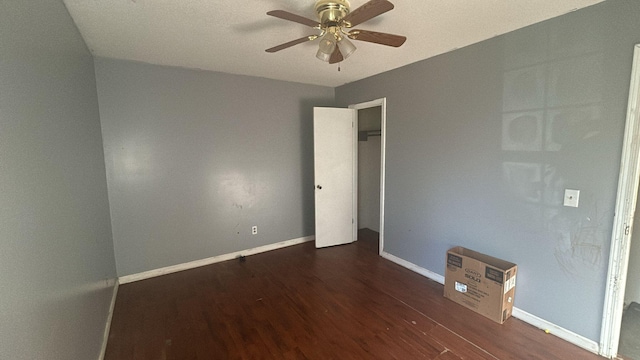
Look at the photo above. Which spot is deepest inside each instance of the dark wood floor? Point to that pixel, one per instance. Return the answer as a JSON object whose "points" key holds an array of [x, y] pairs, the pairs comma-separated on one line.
{"points": [[343, 302]]}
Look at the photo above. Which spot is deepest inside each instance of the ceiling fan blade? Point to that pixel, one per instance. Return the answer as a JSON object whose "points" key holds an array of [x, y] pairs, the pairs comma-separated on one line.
{"points": [[366, 12], [336, 56], [291, 43], [377, 37], [293, 17]]}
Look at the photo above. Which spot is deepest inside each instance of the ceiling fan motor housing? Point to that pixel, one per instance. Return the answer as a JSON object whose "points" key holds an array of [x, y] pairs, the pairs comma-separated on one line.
{"points": [[330, 12]]}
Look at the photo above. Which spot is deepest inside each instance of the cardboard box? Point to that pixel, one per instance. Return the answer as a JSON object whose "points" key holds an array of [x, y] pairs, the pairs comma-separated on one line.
{"points": [[481, 283]]}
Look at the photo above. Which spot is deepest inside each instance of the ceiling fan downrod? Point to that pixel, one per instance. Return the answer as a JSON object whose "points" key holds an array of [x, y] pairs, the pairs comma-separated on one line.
{"points": [[330, 12]]}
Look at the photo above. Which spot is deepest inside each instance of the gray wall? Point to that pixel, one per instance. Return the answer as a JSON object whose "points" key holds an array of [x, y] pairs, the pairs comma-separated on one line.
{"points": [[57, 266], [482, 142], [195, 158]]}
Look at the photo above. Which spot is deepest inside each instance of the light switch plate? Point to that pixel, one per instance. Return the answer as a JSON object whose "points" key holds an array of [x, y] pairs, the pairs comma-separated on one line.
{"points": [[571, 197]]}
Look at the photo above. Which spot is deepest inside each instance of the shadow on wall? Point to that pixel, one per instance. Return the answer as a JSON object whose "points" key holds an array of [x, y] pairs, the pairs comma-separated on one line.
{"points": [[552, 109]]}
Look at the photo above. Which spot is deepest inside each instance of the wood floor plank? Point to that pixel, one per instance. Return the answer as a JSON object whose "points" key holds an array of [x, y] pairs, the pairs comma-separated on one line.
{"points": [[447, 355], [344, 302], [461, 347]]}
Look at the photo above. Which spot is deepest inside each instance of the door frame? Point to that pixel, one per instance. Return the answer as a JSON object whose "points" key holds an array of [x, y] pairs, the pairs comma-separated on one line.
{"points": [[623, 219], [382, 103]]}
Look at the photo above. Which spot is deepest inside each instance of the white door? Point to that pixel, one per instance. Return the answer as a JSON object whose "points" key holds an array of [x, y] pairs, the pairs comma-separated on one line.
{"points": [[333, 135]]}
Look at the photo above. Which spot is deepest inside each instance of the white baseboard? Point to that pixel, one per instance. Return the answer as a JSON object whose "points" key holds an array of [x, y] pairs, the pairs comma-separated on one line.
{"points": [[212, 260], [556, 330], [107, 327], [413, 267]]}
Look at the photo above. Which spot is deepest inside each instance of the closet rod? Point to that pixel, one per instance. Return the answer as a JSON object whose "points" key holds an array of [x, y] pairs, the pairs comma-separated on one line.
{"points": [[363, 135]]}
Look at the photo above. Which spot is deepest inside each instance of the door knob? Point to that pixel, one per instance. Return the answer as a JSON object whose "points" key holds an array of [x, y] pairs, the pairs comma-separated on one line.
{"points": [[319, 187]]}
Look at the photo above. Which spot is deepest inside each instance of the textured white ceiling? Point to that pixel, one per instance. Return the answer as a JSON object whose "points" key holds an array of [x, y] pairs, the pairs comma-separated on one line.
{"points": [[231, 36]]}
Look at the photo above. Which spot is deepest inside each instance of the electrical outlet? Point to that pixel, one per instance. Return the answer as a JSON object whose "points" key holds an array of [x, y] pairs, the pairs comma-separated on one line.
{"points": [[254, 230]]}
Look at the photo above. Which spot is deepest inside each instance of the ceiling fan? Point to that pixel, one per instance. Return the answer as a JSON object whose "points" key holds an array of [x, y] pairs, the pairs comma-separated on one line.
{"points": [[335, 21]]}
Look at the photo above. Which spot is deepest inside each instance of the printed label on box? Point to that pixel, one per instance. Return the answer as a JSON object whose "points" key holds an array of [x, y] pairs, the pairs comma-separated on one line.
{"points": [[454, 260], [510, 284], [493, 274], [460, 287]]}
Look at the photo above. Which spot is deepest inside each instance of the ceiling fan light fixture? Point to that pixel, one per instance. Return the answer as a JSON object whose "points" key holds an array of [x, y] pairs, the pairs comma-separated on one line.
{"points": [[327, 43], [322, 56], [327, 46], [346, 47]]}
